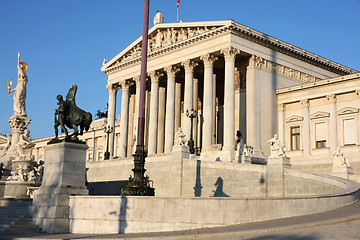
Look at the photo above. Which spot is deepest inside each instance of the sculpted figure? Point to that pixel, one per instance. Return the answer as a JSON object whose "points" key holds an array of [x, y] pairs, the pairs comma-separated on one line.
{"points": [[20, 90], [339, 159], [71, 116], [180, 139], [8, 143], [276, 148], [24, 141], [158, 39], [159, 18]]}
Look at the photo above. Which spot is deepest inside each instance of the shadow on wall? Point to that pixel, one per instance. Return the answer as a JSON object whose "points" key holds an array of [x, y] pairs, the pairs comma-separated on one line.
{"points": [[198, 187], [219, 188], [122, 216]]}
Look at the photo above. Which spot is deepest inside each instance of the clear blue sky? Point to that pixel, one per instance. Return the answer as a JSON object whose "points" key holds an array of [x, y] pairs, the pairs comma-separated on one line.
{"points": [[64, 42]]}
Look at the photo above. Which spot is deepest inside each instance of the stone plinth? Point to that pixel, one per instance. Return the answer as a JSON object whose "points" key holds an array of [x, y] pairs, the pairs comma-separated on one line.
{"points": [[342, 171], [64, 176], [180, 152], [275, 175], [12, 189]]}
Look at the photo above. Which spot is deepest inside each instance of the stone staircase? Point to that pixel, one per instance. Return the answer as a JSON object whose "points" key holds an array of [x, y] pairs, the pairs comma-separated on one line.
{"points": [[15, 217]]}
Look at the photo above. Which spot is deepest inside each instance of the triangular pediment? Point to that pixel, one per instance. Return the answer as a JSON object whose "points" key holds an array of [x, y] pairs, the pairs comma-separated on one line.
{"points": [[165, 35], [319, 114], [293, 118], [347, 110]]}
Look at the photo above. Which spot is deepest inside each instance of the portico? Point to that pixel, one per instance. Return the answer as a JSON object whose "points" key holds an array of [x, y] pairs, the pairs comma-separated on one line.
{"points": [[225, 70]]}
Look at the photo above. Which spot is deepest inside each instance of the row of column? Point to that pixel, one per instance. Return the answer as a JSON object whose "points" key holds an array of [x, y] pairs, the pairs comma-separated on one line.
{"points": [[157, 102]]}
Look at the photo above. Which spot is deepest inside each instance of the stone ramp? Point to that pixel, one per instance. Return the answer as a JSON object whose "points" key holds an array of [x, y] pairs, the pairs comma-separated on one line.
{"points": [[15, 217]]}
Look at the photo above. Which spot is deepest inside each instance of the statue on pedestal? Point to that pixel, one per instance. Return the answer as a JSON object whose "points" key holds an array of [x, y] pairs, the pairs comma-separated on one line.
{"points": [[71, 116], [276, 148], [340, 160]]}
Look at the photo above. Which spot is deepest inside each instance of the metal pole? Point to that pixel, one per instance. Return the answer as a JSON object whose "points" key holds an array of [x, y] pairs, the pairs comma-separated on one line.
{"points": [[141, 122], [177, 14]]}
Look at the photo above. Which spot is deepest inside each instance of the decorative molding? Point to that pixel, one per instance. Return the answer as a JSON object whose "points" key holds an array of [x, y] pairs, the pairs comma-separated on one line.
{"points": [[305, 102], [229, 53], [155, 75], [319, 114], [347, 110], [208, 59], [171, 70], [113, 88], [294, 118], [263, 64], [281, 107], [331, 98], [125, 85], [189, 65], [136, 79]]}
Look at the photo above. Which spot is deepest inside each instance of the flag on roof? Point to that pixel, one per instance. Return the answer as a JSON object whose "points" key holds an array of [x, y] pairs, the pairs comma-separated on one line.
{"points": [[178, 3]]}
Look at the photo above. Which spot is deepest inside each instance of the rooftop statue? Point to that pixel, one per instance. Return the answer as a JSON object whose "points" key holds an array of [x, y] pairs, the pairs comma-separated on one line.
{"points": [[71, 116]]}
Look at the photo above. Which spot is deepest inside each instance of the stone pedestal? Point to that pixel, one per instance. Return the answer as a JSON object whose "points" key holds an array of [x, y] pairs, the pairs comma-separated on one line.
{"points": [[244, 159], [64, 176], [275, 175], [180, 152], [342, 171]]}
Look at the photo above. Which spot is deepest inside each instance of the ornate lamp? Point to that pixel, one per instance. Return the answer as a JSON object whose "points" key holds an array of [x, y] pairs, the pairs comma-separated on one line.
{"points": [[107, 130], [191, 114]]}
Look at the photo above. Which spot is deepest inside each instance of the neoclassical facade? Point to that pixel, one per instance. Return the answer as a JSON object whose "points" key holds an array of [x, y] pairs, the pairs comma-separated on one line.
{"points": [[226, 71]]}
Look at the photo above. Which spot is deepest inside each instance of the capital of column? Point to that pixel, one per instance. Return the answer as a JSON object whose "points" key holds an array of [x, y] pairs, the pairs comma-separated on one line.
{"points": [[229, 53], [331, 98], [189, 65], [137, 80], [125, 85], [171, 70], [281, 107], [155, 75], [208, 59], [112, 88], [305, 102]]}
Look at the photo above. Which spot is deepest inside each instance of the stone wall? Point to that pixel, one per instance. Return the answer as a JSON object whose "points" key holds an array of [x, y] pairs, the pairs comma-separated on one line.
{"points": [[100, 214]]}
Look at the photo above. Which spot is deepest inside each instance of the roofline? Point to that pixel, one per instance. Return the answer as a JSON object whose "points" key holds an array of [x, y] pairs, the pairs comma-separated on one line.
{"points": [[318, 83], [248, 31]]}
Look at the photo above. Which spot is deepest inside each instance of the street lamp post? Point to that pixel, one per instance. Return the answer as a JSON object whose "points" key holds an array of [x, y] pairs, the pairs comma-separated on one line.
{"points": [[138, 185], [107, 130], [191, 115]]}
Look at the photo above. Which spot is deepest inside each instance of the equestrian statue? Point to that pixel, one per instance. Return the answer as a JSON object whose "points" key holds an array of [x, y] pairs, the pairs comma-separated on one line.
{"points": [[71, 116]]}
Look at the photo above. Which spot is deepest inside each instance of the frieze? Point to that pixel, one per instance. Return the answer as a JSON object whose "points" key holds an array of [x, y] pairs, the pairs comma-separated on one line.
{"points": [[263, 64]]}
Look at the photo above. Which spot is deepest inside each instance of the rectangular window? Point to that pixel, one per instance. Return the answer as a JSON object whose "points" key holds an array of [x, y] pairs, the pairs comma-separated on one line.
{"points": [[295, 138], [349, 131], [90, 157], [321, 134]]}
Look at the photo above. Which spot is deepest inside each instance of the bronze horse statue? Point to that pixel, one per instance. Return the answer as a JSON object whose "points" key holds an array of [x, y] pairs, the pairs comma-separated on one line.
{"points": [[71, 116]]}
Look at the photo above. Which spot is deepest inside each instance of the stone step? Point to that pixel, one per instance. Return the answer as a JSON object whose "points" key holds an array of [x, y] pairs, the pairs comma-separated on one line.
{"points": [[22, 227]]}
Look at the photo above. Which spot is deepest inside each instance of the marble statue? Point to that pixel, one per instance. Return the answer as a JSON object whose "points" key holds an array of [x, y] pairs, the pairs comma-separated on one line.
{"points": [[180, 139], [8, 144], [159, 18], [276, 148], [339, 159], [20, 90], [71, 116], [24, 142]]}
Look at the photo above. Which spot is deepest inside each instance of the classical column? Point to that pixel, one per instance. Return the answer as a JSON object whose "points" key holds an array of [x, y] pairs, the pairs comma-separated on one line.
{"points": [[333, 140], [306, 142], [170, 108], [131, 125], [253, 116], [214, 132], [111, 115], [281, 122], [124, 119], [229, 97], [161, 121], [136, 116], [189, 93], [177, 107], [195, 106], [153, 122], [208, 60]]}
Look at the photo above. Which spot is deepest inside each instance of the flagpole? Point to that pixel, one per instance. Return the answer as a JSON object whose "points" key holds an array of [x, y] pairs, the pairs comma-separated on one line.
{"points": [[177, 13]]}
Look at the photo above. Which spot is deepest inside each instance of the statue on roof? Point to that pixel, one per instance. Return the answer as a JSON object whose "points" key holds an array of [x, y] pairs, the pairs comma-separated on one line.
{"points": [[71, 116], [159, 18]]}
